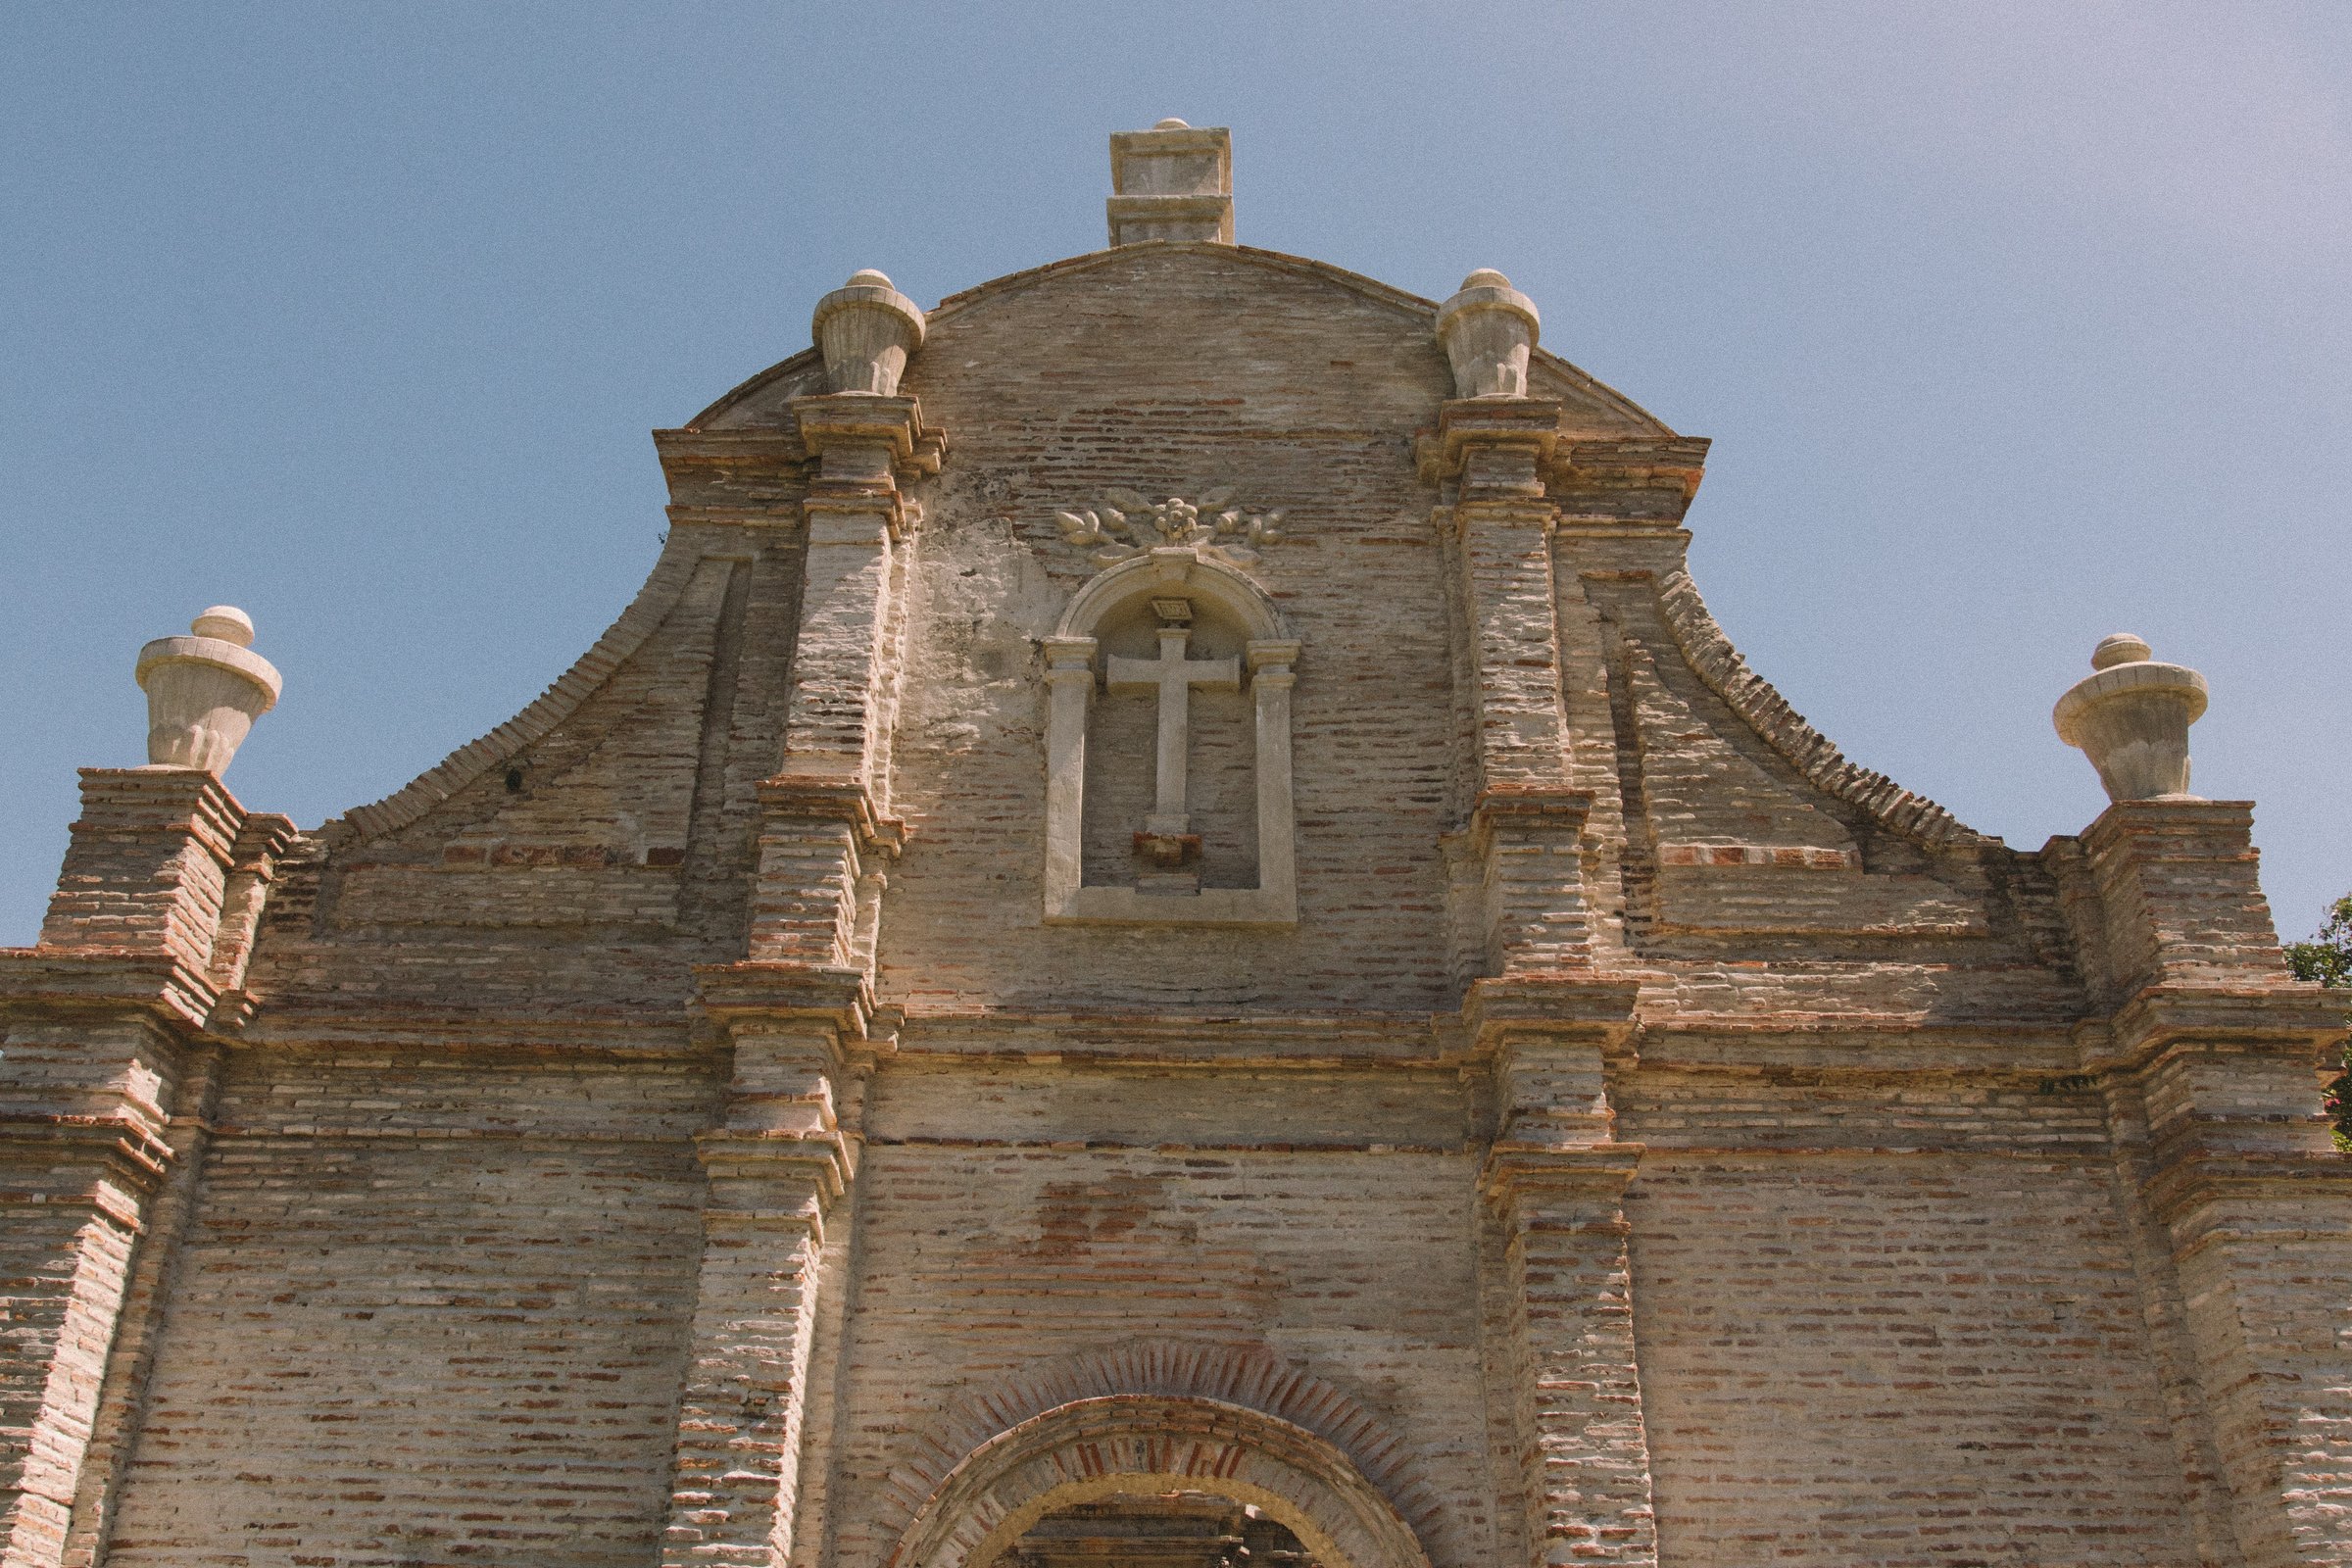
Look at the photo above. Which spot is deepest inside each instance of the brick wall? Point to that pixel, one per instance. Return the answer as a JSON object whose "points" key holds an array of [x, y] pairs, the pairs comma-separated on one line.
{"points": [[1898, 1290], [431, 1312], [1890, 1359], [979, 1264]]}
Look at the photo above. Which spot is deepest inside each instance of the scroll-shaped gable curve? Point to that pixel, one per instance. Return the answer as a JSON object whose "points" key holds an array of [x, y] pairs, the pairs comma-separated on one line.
{"points": [[644, 614], [1726, 672], [1755, 824]]}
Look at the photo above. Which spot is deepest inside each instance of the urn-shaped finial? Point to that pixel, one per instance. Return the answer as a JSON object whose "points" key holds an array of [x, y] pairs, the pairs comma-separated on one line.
{"points": [[204, 691], [1489, 329], [865, 329], [2130, 717]]}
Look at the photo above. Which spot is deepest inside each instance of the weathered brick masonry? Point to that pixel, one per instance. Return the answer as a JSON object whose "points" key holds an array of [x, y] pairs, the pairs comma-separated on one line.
{"points": [[1519, 1097]]}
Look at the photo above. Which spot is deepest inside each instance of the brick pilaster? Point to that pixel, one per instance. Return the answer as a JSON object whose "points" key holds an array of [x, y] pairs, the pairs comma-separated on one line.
{"points": [[72, 1200], [143, 948], [1555, 1179], [824, 822], [736, 1463], [1493, 451], [147, 1290], [1526, 827], [147, 867], [865, 446], [794, 1010], [1585, 1451], [783, 1156], [2209, 1053]]}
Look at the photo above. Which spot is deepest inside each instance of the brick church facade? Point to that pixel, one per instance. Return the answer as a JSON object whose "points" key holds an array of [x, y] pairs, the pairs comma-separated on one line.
{"points": [[1166, 936]]}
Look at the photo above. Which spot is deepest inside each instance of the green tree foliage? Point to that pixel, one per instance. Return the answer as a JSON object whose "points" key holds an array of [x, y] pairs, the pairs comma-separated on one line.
{"points": [[2327, 959]]}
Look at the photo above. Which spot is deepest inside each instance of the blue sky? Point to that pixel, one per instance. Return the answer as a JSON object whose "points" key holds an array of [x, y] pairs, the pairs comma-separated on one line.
{"points": [[2014, 325]]}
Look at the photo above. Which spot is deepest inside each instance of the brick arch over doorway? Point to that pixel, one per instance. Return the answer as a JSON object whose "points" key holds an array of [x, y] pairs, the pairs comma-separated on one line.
{"points": [[1112, 1444], [1249, 1375]]}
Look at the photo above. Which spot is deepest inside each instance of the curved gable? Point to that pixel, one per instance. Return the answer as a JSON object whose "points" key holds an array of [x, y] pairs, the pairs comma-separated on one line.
{"points": [[1177, 366], [1592, 407]]}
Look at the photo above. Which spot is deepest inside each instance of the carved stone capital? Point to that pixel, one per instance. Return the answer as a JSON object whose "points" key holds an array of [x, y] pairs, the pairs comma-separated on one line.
{"points": [[1549, 1039], [1069, 659], [772, 1161], [835, 799], [1571, 1185], [756, 475], [1524, 849], [104, 983], [1564, 1007], [160, 893], [126, 1153], [2191, 1180], [867, 447], [2173, 893], [1271, 658], [2301, 1020], [748, 994], [1540, 809], [1496, 447], [846, 430]]}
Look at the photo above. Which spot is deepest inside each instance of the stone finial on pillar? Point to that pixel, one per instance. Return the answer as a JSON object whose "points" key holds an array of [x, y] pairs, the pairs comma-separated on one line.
{"points": [[865, 329], [1171, 183], [2130, 717], [1489, 329], [204, 691]]}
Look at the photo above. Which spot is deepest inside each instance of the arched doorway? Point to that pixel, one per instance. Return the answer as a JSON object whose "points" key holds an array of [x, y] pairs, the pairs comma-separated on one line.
{"points": [[1186, 1529], [1156, 1471]]}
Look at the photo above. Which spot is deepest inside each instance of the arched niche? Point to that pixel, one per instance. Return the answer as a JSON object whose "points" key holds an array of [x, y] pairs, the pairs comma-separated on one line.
{"points": [[1098, 1447], [1172, 567], [1077, 663]]}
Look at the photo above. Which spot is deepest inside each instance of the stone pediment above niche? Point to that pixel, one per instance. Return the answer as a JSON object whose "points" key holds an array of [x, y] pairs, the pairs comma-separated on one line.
{"points": [[1169, 742]]}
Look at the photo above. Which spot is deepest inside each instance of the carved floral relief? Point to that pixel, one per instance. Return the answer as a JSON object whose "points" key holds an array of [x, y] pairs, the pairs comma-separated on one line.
{"points": [[1126, 524]]}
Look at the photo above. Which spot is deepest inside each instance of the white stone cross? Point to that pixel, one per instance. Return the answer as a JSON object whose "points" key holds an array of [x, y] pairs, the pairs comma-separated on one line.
{"points": [[1173, 676]]}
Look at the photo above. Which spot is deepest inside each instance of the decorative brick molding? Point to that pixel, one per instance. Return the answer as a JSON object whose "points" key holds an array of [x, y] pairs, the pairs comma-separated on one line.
{"points": [[1145, 1379], [1098, 1448]]}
